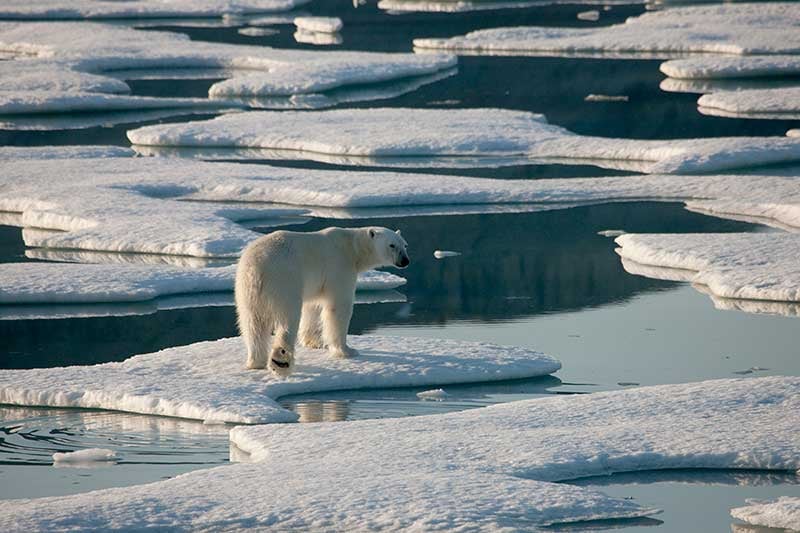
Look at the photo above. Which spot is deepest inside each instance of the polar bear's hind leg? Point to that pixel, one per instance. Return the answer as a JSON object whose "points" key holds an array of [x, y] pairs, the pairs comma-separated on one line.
{"points": [[310, 334]]}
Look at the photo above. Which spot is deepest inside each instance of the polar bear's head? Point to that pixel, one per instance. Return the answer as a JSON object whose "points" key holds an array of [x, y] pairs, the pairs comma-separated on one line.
{"points": [[389, 247]]}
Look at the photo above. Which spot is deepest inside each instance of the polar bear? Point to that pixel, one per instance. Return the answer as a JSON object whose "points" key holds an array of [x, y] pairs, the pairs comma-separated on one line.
{"points": [[294, 284]]}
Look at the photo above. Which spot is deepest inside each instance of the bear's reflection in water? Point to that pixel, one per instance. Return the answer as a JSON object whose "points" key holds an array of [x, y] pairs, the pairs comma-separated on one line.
{"points": [[322, 411]]}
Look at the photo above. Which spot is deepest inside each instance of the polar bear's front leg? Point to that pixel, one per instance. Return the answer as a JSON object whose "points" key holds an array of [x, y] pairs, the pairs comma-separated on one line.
{"points": [[336, 314], [310, 334]]}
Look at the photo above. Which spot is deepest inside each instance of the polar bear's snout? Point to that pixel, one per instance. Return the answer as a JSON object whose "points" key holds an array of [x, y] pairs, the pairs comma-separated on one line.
{"points": [[403, 261]]}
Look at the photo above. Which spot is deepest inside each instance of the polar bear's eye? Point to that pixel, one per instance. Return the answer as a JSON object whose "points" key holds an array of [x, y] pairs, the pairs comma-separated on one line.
{"points": [[391, 246]]}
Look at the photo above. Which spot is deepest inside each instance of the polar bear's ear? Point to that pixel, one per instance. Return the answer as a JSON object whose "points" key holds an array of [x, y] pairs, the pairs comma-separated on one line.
{"points": [[398, 232], [372, 233]]}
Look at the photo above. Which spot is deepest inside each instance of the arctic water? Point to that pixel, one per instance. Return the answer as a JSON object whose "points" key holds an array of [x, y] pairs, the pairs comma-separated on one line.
{"points": [[538, 278]]}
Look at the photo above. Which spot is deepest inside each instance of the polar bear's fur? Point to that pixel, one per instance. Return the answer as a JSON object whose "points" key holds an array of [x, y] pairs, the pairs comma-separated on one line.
{"points": [[294, 284]]}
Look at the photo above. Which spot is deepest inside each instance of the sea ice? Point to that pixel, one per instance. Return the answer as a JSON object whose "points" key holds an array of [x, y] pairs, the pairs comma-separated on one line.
{"points": [[317, 38], [744, 29], [257, 32], [605, 98], [722, 67], [611, 232], [433, 394], [208, 381], [490, 469], [123, 204], [782, 513], [442, 254], [752, 266], [461, 6], [138, 9], [318, 24], [90, 455], [776, 103], [37, 283], [435, 133], [592, 15]]}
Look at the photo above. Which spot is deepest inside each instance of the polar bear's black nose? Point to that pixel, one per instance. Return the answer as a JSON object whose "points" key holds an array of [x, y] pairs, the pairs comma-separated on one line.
{"points": [[403, 262]]}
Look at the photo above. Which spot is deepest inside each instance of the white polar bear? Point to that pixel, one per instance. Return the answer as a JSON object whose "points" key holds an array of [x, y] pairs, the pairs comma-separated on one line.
{"points": [[289, 282]]}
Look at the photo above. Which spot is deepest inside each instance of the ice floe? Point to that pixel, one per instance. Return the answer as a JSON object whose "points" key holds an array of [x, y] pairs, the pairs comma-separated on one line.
{"points": [[137, 9], [721, 67], [442, 254], [776, 103], [441, 133], [491, 468], [318, 24], [751, 266], [317, 38], [208, 381], [36, 283], [461, 6], [90, 455], [257, 32], [591, 15], [606, 98], [783, 513], [433, 394], [123, 204], [744, 29]]}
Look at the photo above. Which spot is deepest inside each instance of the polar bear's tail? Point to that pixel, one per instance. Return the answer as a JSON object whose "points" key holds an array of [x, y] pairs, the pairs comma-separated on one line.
{"points": [[254, 325]]}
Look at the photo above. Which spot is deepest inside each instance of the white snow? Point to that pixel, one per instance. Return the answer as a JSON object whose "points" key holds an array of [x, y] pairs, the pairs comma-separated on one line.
{"points": [[89, 455], [743, 29], [721, 67], [208, 381], [442, 254], [752, 266], [37, 283], [783, 512], [137, 9], [776, 103], [122, 204], [434, 133], [56, 101], [319, 24], [485, 469], [433, 394]]}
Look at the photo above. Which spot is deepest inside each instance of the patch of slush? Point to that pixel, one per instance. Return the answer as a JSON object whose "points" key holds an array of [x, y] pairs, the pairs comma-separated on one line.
{"points": [[777, 103], [318, 24], [433, 133], [751, 266], [90, 455], [742, 29], [123, 204], [781, 513], [208, 381], [490, 468], [137, 9], [37, 283]]}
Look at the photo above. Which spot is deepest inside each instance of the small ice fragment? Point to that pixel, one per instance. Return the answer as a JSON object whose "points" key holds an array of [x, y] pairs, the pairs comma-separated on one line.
{"points": [[435, 394], [606, 8], [611, 232], [606, 98], [258, 32], [90, 455], [441, 254], [592, 15], [627, 383], [795, 132], [318, 24], [317, 38]]}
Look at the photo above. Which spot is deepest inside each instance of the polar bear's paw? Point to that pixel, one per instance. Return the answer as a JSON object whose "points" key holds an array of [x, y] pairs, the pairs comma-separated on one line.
{"points": [[345, 352], [281, 361]]}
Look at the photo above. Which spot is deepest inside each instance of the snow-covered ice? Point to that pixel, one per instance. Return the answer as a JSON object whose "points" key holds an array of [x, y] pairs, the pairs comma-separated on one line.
{"points": [[490, 468], [782, 513], [123, 204], [90, 455], [208, 381], [606, 98], [743, 29], [442, 254], [752, 266], [433, 394], [461, 6], [721, 67], [591, 15], [611, 232], [37, 283], [318, 24], [434, 133], [776, 103], [138, 9], [317, 38]]}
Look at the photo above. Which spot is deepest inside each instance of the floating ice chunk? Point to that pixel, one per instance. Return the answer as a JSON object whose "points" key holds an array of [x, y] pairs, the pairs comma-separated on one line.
{"points": [[783, 512], [461, 6], [36, 283], [722, 67], [318, 24], [208, 381], [442, 254], [257, 32], [136, 9], [605, 98], [54, 101], [611, 232], [433, 394], [700, 86], [317, 38], [593, 15], [274, 20], [754, 266], [466, 132], [724, 29], [779, 103], [89, 455]]}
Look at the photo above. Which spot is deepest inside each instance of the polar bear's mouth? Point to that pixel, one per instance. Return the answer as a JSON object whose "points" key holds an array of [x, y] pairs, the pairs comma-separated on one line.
{"points": [[281, 364]]}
